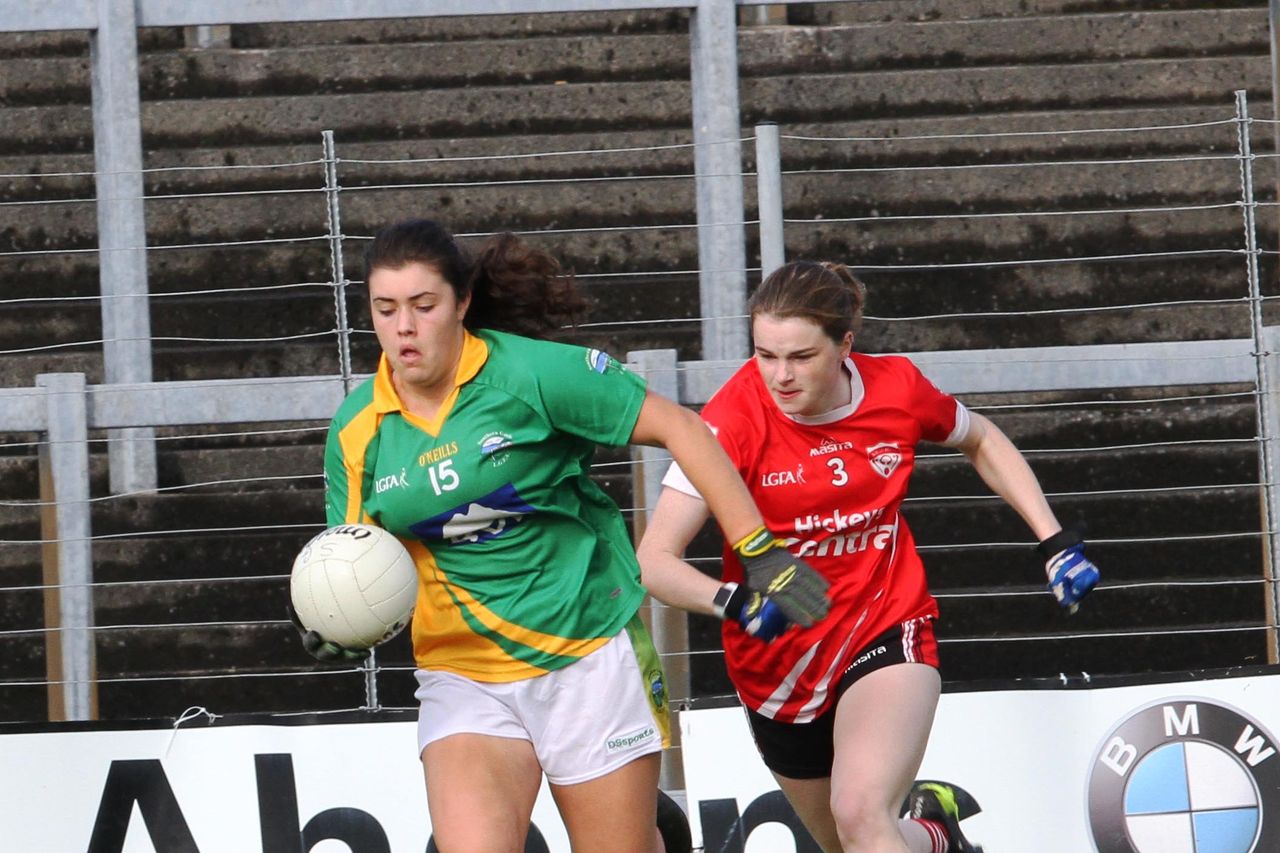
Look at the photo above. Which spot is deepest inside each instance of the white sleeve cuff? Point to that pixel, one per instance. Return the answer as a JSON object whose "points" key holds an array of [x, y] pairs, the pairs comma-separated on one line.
{"points": [[960, 431], [675, 479]]}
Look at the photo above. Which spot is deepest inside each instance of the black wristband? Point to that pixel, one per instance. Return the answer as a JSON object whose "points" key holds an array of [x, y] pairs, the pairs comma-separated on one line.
{"points": [[1060, 541], [729, 600]]}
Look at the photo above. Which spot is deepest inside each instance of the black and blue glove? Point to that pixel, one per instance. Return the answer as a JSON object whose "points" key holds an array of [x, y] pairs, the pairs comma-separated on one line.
{"points": [[1071, 574], [777, 574], [320, 648], [756, 614]]}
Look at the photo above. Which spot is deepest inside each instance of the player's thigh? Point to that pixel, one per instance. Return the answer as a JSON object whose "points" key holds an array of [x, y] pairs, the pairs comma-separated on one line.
{"points": [[480, 792], [881, 730], [616, 812]]}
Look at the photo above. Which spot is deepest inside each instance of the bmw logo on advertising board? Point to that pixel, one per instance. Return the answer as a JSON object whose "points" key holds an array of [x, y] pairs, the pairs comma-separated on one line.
{"points": [[1185, 776]]}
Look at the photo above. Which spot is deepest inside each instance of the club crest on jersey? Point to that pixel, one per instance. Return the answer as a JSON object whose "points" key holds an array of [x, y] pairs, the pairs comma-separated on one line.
{"points": [[480, 520], [885, 458], [598, 360], [494, 446]]}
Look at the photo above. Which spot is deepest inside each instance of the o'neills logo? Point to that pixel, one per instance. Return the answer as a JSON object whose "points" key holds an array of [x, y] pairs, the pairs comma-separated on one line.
{"points": [[1185, 774], [830, 445], [622, 742], [885, 457]]}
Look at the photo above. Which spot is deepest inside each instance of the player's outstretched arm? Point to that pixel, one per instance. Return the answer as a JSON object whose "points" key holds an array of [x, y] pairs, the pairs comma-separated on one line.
{"points": [[793, 585], [1003, 468], [677, 518]]}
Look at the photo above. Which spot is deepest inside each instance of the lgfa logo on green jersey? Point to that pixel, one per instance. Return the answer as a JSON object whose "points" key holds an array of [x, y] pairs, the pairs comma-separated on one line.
{"points": [[1185, 774]]}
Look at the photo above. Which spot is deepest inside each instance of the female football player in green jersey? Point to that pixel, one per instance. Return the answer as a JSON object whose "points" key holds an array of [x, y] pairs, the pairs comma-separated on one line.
{"points": [[472, 444]]}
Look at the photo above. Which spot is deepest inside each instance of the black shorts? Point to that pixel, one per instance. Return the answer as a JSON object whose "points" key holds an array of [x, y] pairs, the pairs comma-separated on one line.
{"points": [[807, 750]]}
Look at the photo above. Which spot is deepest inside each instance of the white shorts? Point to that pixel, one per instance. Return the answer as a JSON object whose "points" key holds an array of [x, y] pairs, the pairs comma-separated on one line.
{"points": [[584, 721]]}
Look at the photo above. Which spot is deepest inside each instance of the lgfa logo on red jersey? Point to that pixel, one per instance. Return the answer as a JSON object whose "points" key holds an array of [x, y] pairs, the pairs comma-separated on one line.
{"points": [[782, 478], [885, 458]]}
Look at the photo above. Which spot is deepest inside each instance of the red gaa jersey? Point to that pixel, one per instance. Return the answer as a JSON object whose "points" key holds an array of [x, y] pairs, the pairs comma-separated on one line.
{"points": [[831, 487]]}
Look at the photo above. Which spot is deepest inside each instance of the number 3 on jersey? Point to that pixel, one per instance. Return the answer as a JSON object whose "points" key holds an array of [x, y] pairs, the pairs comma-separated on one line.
{"points": [[838, 475], [443, 477]]}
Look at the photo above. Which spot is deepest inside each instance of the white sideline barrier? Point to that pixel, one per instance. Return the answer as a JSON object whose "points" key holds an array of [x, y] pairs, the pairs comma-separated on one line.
{"points": [[1050, 768]]}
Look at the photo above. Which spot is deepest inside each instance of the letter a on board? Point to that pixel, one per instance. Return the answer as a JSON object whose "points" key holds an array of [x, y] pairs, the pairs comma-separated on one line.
{"points": [[143, 782]]}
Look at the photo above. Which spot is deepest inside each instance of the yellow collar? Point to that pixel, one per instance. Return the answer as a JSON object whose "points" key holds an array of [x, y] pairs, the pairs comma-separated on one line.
{"points": [[385, 398]]}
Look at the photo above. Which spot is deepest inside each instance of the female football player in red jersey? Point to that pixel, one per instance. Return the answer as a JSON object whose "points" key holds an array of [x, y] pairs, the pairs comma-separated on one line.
{"points": [[473, 444], [825, 439]]}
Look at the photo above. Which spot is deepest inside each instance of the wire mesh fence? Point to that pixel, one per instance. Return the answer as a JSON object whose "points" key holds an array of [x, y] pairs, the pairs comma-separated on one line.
{"points": [[1007, 241]]}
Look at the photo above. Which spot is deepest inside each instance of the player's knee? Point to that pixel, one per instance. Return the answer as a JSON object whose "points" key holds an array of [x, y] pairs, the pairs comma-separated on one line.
{"points": [[861, 818], [460, 836]]}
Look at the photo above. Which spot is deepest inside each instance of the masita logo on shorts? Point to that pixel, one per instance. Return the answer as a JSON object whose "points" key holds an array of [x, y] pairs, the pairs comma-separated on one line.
{"points": [[1185, 774], [620, 743]]}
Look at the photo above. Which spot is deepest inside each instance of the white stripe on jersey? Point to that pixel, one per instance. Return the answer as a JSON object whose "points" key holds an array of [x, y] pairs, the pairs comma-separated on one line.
{"points": [[809, 710], [783, 691]]}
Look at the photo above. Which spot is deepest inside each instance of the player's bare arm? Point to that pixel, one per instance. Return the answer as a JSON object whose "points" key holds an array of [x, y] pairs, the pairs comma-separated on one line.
{"points": [[663, 423], [676, 519], [1005, 471]]}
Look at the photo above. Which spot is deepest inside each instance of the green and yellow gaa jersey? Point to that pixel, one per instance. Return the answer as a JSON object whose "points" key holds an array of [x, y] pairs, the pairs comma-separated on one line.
{"points": [[525, 564]]}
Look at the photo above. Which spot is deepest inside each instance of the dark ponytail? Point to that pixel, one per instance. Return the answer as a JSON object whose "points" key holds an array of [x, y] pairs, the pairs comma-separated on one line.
{"points": [[513, 286], [517, 288]]}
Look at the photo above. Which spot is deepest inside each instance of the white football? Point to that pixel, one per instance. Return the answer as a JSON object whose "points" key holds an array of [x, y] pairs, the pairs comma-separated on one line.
{"points": [[354, 585]]}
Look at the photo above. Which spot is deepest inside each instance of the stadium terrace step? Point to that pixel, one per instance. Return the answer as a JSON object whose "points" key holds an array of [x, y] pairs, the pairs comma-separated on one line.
{"points": [[219, 654], [461, 28], [1176, 207], [1154, 605], [76, 42], [612, 57], [1026, 41], [1137, 557], [576, 107], [1178, 649], [1205, 511], [873, 11], [890, 141], [1184, 467], [386, 31], [374, 68]]}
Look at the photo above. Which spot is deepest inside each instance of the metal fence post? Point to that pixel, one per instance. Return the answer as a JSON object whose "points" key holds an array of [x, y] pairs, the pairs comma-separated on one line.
{"points": [[722, 254], [337, 262], [1269, 470], [122, 236], [1273, 26], [773, 249], [1265, 413], [668, 625], [66, 553], [338, 273]]}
